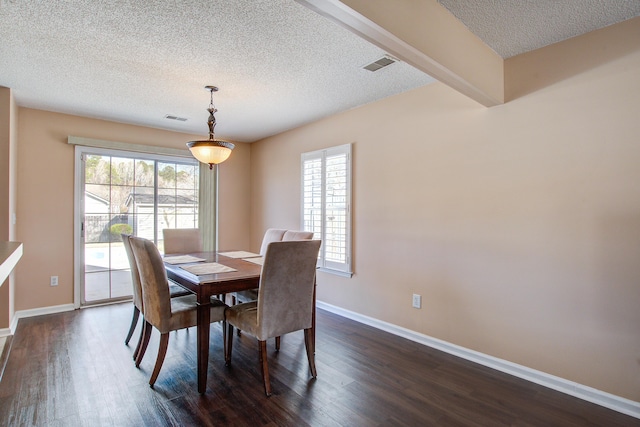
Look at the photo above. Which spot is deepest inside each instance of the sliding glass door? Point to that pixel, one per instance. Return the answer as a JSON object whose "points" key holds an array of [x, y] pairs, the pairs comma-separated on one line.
{"points": [[123, 192]]}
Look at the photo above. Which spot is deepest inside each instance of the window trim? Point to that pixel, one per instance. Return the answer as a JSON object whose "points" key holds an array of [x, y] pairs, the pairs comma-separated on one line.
{"points": [[152, 150], [340, 269]]}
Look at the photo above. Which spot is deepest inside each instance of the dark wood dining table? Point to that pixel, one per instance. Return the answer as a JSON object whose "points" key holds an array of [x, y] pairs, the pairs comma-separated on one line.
{"points": [[246, 276]]}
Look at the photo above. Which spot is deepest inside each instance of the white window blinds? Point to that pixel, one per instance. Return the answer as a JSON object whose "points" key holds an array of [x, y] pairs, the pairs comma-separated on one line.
{"points": [[326, 205]]}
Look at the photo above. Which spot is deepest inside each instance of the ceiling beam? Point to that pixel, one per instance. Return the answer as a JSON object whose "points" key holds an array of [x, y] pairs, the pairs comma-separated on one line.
{"points": [[425, 35]]}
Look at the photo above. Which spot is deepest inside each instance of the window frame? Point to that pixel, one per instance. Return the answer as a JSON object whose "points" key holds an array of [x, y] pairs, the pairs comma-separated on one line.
{"points": [[339, 268], [207, 193]]}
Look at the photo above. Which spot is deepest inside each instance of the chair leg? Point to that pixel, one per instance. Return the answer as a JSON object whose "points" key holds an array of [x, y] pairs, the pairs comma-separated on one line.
{"points": [[265, 368], [277, 343], [309, 345], [146, 332], [224, 341], [234, 301], [162, 352], [134, 322], [228, 343], [137, 350]]}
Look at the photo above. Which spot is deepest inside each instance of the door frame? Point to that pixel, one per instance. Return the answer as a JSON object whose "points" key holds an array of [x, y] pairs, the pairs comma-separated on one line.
{"points": [[78, 209]]}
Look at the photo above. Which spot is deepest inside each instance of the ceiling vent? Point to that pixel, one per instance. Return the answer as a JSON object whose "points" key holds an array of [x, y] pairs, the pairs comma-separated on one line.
{"points": [[171, 117], [380, 63]]}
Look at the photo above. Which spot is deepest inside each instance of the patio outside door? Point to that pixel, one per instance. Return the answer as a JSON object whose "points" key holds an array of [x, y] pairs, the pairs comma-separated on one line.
{"points": [[134, 194]]}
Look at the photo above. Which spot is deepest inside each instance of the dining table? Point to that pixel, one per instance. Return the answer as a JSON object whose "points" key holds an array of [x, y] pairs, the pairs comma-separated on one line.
{"points": [[242, 272]]}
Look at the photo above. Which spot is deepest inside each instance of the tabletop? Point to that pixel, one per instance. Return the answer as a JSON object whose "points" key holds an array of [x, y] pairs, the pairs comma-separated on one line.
{"points": [[246, 276]]}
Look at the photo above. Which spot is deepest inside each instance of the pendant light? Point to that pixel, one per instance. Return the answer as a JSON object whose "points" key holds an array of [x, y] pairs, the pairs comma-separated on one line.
{"points": [[211, 151]]}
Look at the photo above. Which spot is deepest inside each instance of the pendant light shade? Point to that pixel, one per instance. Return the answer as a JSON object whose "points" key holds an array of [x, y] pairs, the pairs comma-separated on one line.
{"points": [[211, 151]]}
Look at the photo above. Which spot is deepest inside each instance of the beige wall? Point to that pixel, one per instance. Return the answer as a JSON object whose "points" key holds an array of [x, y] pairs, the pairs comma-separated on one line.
{"points": [[519, 224], [7, 111], [234, 200], [46, 192], [8, 192], [5, 156]]}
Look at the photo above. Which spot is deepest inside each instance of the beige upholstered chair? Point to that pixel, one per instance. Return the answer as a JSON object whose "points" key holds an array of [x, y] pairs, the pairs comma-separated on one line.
{"points": [[284, 304], [174, 291], [273, 235], [182, 240], [290, 235], [159, 310]]}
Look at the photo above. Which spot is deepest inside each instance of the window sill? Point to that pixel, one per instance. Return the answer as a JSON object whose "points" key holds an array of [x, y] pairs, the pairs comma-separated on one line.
{"points": [[347, 274]]}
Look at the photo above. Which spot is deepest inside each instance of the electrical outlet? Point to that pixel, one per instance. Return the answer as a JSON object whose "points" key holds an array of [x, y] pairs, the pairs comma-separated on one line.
{"points": [[417, 301], [54, 281]]}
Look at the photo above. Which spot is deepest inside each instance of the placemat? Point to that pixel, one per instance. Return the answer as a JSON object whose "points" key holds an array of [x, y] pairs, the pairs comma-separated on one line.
{"points": [[208, 268], [182, 259], [258, 260], [239, 254]]}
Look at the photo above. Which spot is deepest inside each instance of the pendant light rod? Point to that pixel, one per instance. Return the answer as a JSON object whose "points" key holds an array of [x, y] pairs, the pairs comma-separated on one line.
{"points": [[212, 110], [211, 151]]}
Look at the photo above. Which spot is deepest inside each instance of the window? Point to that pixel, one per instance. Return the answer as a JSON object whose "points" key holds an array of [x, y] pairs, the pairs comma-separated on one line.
{"points": [[326, 205], [141, 189], [126, 192]]}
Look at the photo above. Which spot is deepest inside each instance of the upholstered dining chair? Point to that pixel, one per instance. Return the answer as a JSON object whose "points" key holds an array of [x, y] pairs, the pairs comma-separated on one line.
{"points": [[284, 304], [159, 310], [174, 291], [181, 240], [272, 235], [290, 235]]}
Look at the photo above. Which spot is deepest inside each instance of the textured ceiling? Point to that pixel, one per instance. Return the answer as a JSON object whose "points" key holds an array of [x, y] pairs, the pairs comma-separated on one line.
{"points": [[278, 64], [512, 27]]}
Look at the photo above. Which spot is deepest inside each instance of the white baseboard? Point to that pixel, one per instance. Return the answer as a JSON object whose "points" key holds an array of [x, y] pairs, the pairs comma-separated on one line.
{"points": [[608, 400], [5, 332], [21, 314]]}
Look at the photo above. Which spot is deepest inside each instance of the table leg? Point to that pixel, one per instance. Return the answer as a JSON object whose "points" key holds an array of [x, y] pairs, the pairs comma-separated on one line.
{"points": [[204, 323]]}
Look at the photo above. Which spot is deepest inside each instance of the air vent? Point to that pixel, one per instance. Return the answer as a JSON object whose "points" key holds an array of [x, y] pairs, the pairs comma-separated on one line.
{"points": [[380, 63], [171, 117]]}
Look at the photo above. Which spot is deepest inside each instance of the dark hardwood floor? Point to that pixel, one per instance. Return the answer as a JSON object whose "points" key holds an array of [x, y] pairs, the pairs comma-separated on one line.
{"points": [[73, 369]]}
